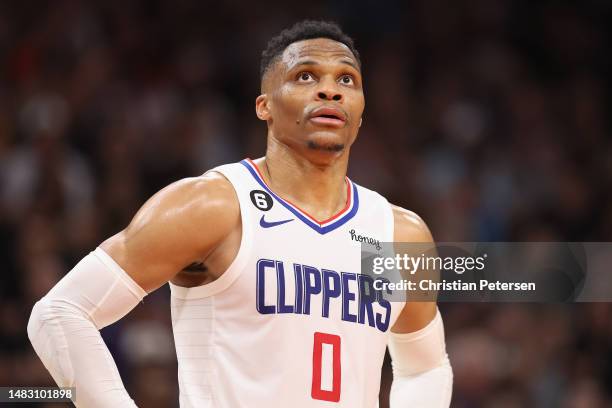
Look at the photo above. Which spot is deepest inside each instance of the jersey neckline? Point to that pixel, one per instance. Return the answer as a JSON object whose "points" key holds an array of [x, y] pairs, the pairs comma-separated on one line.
{"points": [[322, 227]]}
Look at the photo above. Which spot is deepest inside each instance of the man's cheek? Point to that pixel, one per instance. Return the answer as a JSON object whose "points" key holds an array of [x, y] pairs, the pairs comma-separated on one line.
{"points": [[291, 102]]}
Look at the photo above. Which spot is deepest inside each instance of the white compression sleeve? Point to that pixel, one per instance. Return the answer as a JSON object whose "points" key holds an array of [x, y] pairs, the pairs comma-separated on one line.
{"points": [[64, 324], [422, 375]]}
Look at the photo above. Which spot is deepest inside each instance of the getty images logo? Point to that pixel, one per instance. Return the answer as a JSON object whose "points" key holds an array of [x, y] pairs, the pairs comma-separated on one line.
{"points": [[363, 238]]}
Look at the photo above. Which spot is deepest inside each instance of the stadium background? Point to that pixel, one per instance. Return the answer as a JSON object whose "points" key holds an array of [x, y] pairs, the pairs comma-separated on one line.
{"points": [[489, 118]]}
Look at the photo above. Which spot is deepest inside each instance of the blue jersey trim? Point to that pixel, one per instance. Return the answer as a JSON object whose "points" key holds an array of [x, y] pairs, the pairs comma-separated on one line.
{"points": [[321, 230]]}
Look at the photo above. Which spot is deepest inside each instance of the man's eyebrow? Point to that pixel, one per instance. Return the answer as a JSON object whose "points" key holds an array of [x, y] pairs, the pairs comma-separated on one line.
{"points": [[352, 64]]}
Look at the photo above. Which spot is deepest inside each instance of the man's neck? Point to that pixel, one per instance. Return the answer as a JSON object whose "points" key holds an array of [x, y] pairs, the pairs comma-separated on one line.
{"points": [[318, 189]]}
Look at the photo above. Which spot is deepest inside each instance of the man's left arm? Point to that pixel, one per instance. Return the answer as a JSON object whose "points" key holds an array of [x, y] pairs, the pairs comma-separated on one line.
{"points": [[422, 374]]}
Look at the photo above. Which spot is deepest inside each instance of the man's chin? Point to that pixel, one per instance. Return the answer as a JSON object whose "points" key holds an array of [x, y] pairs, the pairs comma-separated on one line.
{"points": [[325, 147], [331, 143]]}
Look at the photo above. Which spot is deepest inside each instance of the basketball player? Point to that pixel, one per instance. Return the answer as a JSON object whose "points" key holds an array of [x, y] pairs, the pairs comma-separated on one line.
{"points": [[268, 303]]}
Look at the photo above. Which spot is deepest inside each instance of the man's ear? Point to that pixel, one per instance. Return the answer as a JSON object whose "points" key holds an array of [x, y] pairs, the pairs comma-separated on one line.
{"points": [[261, 107]]}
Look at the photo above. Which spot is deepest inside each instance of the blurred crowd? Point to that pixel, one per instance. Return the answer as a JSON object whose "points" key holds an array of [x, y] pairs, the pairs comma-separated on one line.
{"points": [[489, 118]]}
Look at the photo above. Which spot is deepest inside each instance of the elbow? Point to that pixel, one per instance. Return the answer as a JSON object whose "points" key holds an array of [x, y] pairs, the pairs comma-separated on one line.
{"points": [[36, 319], [39, 332], [50, 313], [52, 323]]}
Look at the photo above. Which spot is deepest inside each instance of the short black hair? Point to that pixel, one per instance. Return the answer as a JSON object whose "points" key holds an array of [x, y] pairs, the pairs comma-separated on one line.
{"points": [[304, 30]]}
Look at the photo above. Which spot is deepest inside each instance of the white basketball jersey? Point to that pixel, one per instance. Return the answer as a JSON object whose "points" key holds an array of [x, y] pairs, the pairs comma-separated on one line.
{"points": [[292, 322]]}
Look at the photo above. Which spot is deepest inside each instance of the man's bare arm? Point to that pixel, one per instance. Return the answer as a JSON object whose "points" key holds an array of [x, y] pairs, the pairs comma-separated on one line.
{"points": [[409, 227], [180, 225], [422, 375], [184, 222]]}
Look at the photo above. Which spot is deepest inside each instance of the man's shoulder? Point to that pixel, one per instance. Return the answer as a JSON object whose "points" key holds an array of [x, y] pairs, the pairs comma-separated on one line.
{"points": [[209, 197], [210, 185], [409, 226]]}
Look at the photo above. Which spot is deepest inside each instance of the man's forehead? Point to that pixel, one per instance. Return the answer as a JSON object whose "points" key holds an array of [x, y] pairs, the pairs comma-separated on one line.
{"points": [[316, 47]]}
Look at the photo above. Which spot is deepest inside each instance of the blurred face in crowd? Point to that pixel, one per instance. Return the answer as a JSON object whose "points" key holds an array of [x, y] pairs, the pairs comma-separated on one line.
{"points": [[312, 97]]}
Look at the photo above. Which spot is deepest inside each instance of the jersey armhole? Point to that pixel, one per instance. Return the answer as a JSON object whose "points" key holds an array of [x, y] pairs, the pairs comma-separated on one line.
{"points": [[236, 266]]}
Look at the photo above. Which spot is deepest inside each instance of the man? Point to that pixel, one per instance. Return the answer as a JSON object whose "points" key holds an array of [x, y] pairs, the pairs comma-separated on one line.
{"points": [[268, 305]]}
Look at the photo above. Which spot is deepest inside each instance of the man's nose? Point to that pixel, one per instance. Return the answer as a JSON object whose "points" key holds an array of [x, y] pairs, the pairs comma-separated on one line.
{"points": [[329, 92]]}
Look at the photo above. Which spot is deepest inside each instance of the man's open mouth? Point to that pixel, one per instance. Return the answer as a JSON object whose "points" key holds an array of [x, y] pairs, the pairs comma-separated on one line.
{"points": [[328, 116]]}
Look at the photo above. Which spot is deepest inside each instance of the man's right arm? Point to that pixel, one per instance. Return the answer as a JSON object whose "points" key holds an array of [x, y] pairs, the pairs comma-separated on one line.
{"points": [[181, 224]]}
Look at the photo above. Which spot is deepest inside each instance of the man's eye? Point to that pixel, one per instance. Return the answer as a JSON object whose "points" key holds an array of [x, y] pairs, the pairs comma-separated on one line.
{"points": [[305, 77], [346, 80]]}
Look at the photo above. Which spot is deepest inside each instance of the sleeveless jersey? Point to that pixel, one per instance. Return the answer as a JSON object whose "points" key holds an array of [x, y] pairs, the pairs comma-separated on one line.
{"points": [[292, 322]]}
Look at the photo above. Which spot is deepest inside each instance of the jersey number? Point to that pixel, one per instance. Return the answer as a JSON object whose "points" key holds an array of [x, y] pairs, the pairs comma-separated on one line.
{"points": [[317, 391]]}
